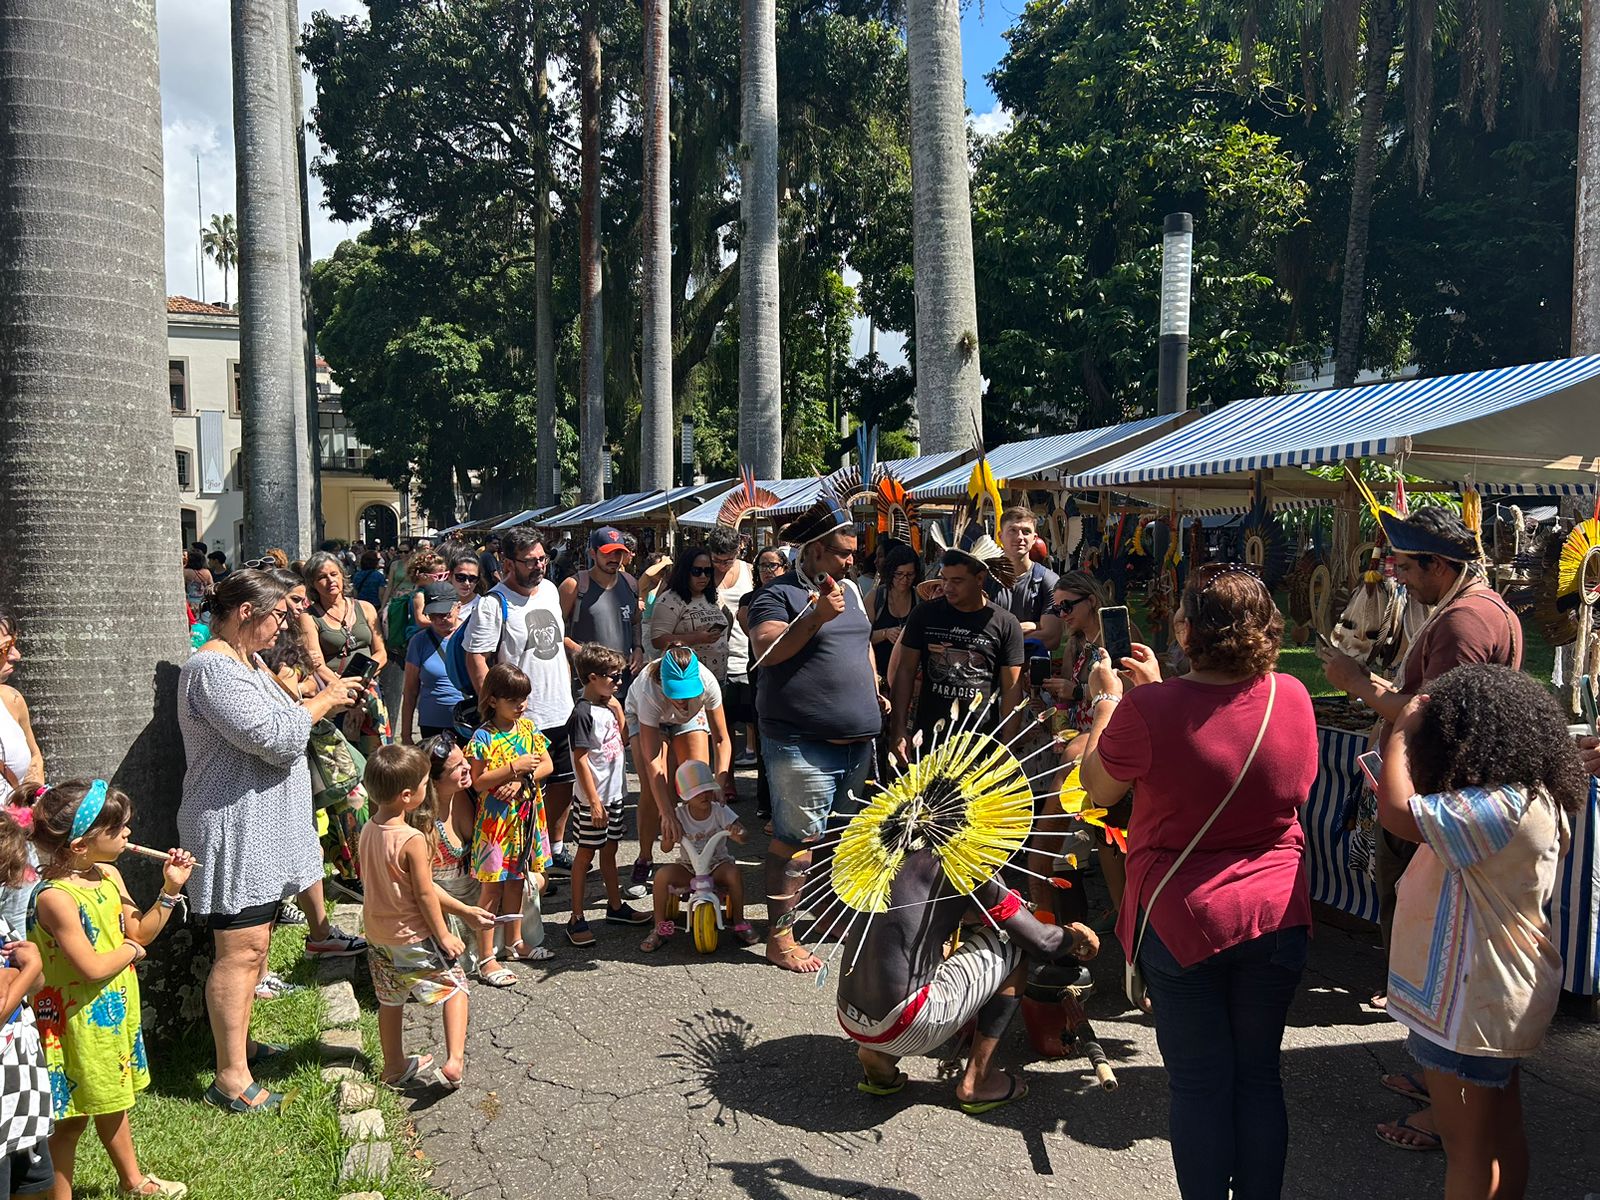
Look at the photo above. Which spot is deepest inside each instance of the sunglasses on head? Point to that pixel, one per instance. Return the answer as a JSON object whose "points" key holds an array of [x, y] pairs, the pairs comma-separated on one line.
{"points": [[259, 564]]}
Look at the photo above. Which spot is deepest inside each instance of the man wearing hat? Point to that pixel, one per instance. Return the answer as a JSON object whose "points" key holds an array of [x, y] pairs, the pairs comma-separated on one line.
{"points": [[601, 604], [1436, 559], [818, 702], [967, 647]]}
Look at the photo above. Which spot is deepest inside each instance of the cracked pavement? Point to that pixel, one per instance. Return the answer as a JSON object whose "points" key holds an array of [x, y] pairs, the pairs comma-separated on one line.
{"points": [[612, 1073]]}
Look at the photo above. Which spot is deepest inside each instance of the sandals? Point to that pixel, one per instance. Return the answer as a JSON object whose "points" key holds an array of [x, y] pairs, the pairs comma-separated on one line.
{"points": [[1408, 1085], [746, 935], [1430, 1139], [1015, 1091], [579, 933], [494, 974], [264, 1052], [658, 937], [872, 1087], [151, 1186], [254, 1099], [416, 1064], [520, 953]]}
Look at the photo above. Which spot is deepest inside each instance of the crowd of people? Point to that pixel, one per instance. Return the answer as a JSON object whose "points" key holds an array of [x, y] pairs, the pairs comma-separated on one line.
{"points": [[525, 680]]}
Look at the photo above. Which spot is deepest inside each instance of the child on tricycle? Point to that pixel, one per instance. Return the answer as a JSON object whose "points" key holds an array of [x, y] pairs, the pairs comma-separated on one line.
{"points": [[704, 871]]}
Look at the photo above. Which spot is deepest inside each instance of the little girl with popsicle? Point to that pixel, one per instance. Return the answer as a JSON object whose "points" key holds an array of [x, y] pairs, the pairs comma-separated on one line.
{"points": [[90, 935]]}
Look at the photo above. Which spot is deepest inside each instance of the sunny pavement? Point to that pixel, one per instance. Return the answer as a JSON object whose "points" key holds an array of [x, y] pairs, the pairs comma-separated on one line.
{"points": [[619, 1074]]}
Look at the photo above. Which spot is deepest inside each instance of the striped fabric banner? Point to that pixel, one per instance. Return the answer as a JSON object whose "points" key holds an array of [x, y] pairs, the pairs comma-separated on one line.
{"points": [[1576, 907], [1339, 780]]}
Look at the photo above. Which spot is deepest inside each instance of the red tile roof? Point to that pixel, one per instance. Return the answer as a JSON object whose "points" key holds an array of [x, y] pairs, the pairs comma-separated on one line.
{"points": [[184, 305]]}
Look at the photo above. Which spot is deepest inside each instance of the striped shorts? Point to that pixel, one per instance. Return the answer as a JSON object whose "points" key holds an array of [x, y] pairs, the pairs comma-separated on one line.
{"points": [[929, 1017], [591, 837]]}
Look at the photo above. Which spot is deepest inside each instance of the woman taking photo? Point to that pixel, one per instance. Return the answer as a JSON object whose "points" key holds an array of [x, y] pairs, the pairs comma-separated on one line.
{"points": [[1218, 906], [246, 813], [687, 613], [336, 627], [892, 601]]}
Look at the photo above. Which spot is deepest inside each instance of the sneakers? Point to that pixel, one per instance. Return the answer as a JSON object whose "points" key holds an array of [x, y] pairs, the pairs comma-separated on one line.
{"points": [[289, 914], [338, 944], [636, 891], [640, 876], [273, 985], [745, 758], [627, 915], [561, 860]]}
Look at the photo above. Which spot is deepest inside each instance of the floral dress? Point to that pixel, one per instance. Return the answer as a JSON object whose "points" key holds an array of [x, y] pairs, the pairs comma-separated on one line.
{"points": [[511, 838], [93, 1046]]}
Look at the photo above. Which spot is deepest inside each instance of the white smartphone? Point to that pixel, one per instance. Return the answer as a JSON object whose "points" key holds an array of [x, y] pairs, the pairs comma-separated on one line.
{"points": [[1371, 764]]}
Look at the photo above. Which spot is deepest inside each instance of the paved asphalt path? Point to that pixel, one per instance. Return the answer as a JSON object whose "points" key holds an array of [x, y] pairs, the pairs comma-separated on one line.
{"points": [[619, 1074]]}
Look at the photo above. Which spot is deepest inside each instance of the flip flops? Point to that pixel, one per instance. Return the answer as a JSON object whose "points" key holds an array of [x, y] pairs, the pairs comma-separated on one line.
{"points": [[1430, 1140], [416, 1064], [872, 1088], [245, 1101], [1413, 1087], [1015, 1090]]}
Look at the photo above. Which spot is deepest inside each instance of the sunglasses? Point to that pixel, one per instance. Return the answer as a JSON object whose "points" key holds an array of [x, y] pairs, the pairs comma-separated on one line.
{"points": [[698, 572], [259, 564], [770, 566], [1062, 609], [461, 578]]}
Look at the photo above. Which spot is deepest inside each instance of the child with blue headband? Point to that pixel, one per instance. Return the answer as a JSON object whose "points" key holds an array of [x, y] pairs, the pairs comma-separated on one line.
{"points": [[90, 935]]}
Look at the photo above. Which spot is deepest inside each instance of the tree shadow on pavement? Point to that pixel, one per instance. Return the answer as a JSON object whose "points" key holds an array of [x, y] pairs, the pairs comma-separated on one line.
{"points": [[769, 1181]]}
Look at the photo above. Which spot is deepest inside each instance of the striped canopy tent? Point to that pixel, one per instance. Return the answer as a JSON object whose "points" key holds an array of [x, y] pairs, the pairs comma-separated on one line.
{"points": [[1042, 459], [659, 506], [704, 514], [1508, 426], [474, 524], [598, 512], [909, 471], [526, 517]]}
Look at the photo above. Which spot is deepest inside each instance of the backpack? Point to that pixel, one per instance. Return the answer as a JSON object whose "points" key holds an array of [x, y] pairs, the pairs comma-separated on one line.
{"points": [[400, 619], [454, 651]]}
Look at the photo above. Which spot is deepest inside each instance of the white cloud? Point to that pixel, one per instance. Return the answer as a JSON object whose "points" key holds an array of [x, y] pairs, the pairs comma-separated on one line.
{"points": [[197, 120], [987, 124]]}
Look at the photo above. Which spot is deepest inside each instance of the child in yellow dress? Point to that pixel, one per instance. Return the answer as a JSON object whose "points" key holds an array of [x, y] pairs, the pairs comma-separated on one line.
{"points": [[90, 934]]}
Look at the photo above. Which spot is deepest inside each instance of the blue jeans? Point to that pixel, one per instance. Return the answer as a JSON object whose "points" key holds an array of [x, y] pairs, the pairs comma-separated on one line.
{"points": [[811, 782], [1220, 1025]]}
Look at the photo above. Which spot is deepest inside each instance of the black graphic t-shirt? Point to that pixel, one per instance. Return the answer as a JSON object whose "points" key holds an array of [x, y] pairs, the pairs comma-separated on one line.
{"points": [[962, 653]]}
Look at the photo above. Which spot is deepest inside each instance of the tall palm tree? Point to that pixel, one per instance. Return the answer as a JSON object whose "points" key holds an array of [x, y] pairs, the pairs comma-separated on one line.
{"points": [[760, 360], [272, 449], [1586, 227], [86, 452], [592, 423], [302, 397], [544, 338], [949, 384], [655, 368], [220, 241]]}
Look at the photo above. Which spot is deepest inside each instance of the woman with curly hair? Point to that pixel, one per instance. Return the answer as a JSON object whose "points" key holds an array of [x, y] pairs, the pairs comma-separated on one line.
{"points": [[1481, 773], [1217, 911]]}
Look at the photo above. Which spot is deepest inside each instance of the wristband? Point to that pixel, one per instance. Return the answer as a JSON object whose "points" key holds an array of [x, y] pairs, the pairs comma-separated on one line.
{"points": [[1094, 702], [1008, 907], [166, 900]]}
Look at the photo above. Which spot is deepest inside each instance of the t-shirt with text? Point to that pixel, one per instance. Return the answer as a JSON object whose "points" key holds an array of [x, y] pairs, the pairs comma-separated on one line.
{"points": [[962, 655]]}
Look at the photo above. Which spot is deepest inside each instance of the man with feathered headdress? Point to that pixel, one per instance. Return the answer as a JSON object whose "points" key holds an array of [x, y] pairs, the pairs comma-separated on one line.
{"points": [[817, 699]]}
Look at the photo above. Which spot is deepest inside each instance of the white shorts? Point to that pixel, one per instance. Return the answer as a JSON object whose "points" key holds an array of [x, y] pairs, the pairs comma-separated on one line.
{"points": [[928, 1018]]}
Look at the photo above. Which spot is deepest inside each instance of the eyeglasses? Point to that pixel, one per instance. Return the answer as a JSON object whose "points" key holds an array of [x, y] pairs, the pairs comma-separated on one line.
{"points": [[772, 567], [532, 561], [698, 572], [460, 578], [282, 616]]}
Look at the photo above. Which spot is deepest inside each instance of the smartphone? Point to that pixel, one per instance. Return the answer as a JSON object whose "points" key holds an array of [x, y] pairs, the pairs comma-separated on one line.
{"points": [[1589, 710], [360, 664], [1371, 764], [1116, 633], [507, 918], [1038, 671]]}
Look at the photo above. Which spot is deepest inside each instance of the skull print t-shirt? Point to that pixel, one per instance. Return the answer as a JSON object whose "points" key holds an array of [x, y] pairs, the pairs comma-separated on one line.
{"points": [[962, 654], [531, 638]]}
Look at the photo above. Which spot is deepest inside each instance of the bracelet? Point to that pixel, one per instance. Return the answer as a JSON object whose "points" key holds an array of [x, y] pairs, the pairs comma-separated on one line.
{"points": [[169, 900], [1095, 701]]}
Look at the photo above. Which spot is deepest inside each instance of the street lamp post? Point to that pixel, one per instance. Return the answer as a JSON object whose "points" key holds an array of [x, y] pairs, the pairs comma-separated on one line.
{"points": [[1177, 269], [687, 452]]}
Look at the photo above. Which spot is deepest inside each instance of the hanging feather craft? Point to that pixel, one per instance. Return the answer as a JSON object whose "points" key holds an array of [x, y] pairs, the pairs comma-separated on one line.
{"points": [[748, 497], [897, 512], [983, 486], [1578, 568]]}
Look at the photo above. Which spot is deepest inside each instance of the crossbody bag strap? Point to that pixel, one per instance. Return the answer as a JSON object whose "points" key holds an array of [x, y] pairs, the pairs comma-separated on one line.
{"points": [[1272, 695]]}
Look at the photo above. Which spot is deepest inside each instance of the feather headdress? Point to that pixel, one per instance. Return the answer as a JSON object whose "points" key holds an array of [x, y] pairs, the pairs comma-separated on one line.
{"points": [[748, 497], [897, 512]]}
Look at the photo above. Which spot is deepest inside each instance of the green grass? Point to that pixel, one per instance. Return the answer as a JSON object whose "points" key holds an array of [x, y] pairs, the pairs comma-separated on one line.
{"points": [[294, 1155]]}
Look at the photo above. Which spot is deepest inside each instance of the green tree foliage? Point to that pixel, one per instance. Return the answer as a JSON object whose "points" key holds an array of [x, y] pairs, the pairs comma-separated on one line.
{"points": [[1122, 113]]}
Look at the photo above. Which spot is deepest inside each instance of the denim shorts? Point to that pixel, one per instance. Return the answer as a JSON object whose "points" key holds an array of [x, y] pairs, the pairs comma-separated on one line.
{"points": [[812, 781], [1477, 1069]]}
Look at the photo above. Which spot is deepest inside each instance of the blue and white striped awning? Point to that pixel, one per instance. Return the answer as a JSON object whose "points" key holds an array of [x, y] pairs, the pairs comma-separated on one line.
{"points": [[704, 514], [1532, 424], [597, 512], [1044, 455], [474, 523], [526, 516], [657, 504], [909, 471]]}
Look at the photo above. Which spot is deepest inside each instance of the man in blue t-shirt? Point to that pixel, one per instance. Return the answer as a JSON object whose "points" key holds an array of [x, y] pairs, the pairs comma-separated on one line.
{"points": [[818, 702]]}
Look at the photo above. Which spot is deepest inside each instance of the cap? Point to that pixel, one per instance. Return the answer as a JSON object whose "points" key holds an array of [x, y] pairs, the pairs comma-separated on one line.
{"points": [[438, 598], [694, 778], [606, 539], [681, 683]]}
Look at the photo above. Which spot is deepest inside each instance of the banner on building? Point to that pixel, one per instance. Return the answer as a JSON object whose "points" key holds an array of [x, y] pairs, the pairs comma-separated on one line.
{"points": [[213, 459]]}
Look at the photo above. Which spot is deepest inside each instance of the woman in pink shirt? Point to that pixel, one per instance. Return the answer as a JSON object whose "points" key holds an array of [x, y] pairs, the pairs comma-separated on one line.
{"points": [[1227, 933]]}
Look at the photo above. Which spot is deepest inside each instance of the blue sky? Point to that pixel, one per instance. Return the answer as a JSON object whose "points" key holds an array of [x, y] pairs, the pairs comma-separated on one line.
{"points": [[983, 44]]}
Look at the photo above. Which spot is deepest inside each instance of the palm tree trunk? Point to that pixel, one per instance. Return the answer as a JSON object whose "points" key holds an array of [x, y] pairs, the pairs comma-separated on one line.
{"points": [[1586, 249], [592, 427], [760, 356], [655, 368], [271, 434], [1353, 300], [86, 448], [304, 400], [544, 337], [949, 384]]}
